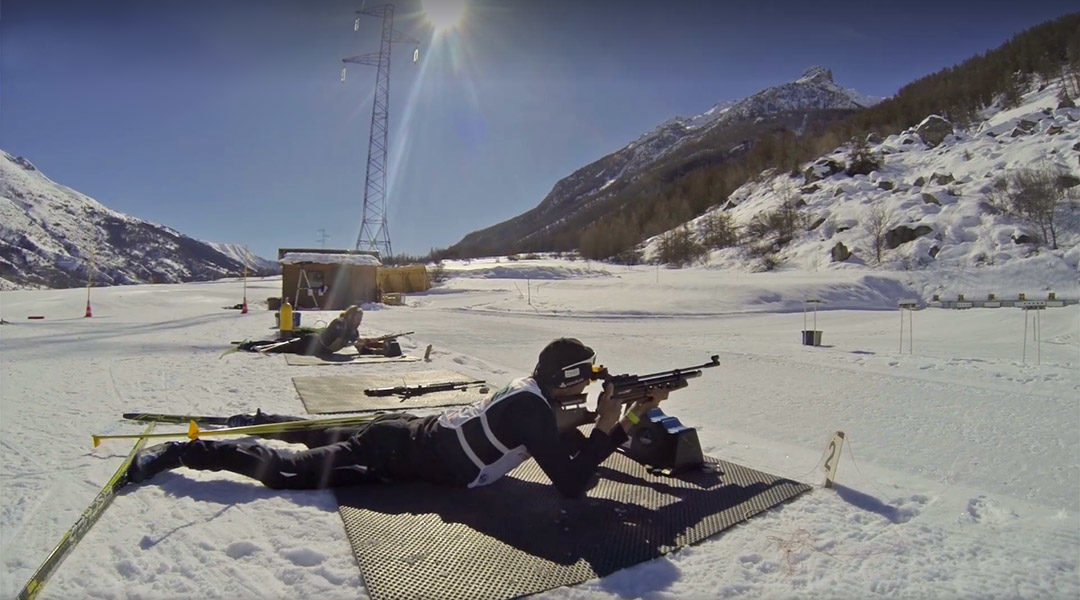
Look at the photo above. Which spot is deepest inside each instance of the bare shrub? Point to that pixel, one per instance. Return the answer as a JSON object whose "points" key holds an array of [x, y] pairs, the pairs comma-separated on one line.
{"points": [[778, 225], [718, 231], [1035, 195], [437, 273], [877, 224], [679, 248], [765, 253]]}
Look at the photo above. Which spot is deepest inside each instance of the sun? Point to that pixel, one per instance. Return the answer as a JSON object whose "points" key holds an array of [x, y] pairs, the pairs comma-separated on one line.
{"points": [[444, 14]]}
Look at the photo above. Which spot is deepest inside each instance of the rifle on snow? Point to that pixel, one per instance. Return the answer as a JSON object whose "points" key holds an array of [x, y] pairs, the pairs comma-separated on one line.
{"points": [[628, 388], [408, 391], [389, 336]]}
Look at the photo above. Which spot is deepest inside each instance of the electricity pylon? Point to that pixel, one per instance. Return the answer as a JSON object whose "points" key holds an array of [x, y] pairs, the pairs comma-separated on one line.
{"points": [[374, 233]]}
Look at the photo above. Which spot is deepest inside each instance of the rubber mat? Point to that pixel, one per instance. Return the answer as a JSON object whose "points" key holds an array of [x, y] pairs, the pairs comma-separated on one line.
{"points": [[328, 394], [519, 536]]}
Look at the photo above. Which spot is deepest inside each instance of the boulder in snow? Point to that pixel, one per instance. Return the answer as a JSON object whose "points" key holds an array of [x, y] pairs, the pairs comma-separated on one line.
{"points": [[1067, 181], [822, 168], [840, 252], [904, 234], [934, 129], [942, 178]]}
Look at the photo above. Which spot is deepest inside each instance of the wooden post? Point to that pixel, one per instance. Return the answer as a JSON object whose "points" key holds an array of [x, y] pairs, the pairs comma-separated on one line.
{"points": [[909, 306]]}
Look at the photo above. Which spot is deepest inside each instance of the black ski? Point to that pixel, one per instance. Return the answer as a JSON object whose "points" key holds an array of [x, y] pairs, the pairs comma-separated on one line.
{"points": [[82, 525], [167, 418]]}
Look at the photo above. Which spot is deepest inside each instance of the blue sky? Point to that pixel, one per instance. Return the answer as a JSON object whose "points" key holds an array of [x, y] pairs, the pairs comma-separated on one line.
{"points": [[227, 120]]}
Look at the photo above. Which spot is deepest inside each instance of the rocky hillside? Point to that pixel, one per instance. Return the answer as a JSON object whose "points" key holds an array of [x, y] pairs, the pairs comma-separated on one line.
{"points": [[50, 235], [935, 195]]}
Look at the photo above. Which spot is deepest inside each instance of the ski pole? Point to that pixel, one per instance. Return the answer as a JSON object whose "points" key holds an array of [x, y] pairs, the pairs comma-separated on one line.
{"points": [[193, 432]]}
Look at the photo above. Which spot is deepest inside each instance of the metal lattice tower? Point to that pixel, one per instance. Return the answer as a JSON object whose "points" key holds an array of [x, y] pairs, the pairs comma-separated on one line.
{"points": [[374, 233]]}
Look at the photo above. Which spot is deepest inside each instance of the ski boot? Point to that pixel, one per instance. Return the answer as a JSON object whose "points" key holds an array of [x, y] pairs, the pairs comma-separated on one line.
{"points": [[155, 459], [243, 420], [259, 418]]}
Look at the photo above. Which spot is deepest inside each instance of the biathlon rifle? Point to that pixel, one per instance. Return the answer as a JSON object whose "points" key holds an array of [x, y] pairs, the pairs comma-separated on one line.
{"points": [[408, 391], [360, 343], [629, 388]]}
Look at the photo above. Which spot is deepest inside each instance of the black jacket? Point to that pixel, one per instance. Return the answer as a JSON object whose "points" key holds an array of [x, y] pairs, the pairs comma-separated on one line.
{"points": [[520, 422]]}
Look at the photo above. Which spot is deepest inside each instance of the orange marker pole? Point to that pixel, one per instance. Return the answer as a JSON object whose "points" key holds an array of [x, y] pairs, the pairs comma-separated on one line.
{"points": [[243, 309]]}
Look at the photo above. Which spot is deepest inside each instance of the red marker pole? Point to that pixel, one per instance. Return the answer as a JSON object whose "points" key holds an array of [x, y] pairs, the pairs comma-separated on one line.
{"points": [[89, 281]]}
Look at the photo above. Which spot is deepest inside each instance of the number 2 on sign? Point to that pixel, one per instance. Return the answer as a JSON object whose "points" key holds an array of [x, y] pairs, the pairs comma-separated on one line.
{"points": [[835, 445]]}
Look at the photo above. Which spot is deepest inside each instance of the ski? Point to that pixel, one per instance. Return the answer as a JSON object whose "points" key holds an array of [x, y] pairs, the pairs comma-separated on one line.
{"points": [[193, 432], [235, 348], [170, 418], [267, 348], [83, 524]]}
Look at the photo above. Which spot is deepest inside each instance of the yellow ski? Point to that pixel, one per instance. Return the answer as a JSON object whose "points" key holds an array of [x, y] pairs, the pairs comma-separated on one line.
{"points": [[85, 521], [193, 432]]}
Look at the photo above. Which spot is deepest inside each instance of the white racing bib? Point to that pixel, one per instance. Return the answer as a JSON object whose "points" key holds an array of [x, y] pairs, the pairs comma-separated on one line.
{"points": [[509, 457]]}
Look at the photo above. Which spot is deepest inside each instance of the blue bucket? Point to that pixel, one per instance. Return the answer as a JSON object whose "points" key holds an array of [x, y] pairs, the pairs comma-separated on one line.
{"points": [[295, 319]]}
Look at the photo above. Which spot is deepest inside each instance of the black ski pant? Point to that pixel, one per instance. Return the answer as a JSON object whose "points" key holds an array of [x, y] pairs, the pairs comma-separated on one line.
{"points": [[305, 343], [381, 450]]}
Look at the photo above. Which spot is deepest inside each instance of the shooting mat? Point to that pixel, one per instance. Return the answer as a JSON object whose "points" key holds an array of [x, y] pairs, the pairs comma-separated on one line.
{"points": [[345, 393], [518, 536]]}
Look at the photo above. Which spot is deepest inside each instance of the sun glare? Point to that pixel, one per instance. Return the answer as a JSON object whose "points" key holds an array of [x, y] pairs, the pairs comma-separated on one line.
{"points": [[444, 14]]}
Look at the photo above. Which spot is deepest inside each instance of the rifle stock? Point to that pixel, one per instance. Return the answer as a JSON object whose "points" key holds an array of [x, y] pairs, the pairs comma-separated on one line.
{"points": [[572, 413]]}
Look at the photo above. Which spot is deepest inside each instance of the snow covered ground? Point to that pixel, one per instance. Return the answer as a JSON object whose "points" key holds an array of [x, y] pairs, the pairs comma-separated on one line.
{"points": [[961, 476]]}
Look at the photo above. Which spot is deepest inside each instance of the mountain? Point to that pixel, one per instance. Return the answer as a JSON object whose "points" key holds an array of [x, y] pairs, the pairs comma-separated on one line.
{"points": [[246, 257], [50, 235], [938, 195], [719, 135]]}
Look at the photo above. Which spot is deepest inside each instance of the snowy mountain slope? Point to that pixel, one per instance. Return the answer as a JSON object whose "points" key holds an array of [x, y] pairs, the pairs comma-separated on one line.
{"points": [[723, 129], [815, 90], [240, 253], [51, 234], [938, 200]]}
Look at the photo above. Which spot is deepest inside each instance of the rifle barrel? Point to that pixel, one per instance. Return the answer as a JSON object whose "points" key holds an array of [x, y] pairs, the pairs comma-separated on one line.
{"points": [[714, 361], [628, 386]]}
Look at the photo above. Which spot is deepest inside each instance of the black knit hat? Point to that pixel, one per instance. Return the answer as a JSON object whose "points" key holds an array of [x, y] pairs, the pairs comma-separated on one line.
{"points": [[563, 363]]}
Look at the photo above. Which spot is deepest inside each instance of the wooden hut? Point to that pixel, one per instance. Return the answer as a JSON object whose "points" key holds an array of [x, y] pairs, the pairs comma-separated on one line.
{"points": [[321, 279]]}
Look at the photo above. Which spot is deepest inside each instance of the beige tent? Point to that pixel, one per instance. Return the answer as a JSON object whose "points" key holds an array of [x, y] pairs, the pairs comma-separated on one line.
{"points": [[413, 278]]}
